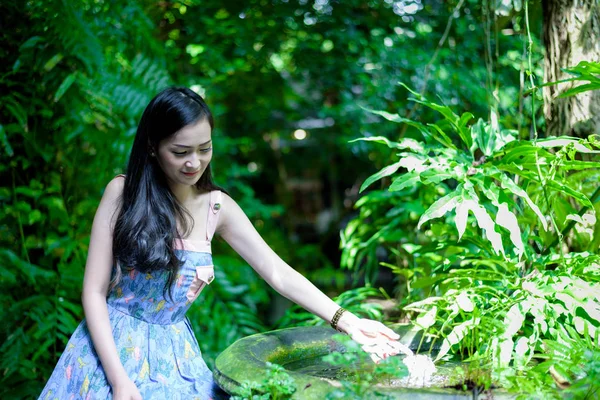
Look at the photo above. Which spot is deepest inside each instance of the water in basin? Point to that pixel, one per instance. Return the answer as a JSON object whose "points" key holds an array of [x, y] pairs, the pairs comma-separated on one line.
{"points": [[447, 374]]}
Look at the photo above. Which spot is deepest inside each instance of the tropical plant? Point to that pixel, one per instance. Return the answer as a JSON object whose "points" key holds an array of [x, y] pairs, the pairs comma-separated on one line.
{"points": [[502, 283]]}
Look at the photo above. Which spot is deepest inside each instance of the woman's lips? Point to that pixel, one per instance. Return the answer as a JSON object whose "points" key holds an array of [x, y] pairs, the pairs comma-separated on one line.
{"points": [[190, 173]]}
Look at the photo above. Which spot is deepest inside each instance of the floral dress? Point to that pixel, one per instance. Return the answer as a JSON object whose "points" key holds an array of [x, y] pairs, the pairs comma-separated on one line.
{"points": [[154, 338]]}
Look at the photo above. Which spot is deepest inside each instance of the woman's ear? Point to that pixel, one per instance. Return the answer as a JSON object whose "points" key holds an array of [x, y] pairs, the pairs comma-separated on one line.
{"points": [[151, 151]]}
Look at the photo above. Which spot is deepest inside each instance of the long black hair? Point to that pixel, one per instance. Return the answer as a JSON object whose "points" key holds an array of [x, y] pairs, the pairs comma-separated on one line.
{"points": [[146, 226]]}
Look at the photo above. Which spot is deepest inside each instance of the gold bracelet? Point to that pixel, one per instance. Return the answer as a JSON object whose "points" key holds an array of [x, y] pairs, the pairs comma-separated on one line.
{"points": [[336, 318]]}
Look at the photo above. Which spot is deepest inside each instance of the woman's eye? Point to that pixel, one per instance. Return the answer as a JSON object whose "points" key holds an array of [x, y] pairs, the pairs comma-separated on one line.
{"points": [[201, 150]]}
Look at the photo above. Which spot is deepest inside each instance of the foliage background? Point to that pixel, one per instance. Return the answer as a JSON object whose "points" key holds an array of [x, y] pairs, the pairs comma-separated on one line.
{"points": [[76, 76]]}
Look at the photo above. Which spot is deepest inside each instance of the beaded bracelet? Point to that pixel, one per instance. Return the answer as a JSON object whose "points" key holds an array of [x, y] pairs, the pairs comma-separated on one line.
{"points": [[336, 318]]}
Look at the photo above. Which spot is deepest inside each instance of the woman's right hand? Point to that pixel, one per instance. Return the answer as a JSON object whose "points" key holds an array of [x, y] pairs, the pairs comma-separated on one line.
{"points": [[126, 390]]}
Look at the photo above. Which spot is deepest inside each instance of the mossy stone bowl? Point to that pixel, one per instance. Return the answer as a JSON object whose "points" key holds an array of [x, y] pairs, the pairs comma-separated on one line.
{"points": [[300, 352]]}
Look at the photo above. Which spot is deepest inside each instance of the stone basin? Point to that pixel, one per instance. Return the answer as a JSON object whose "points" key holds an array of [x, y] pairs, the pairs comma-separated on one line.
{"points": [[300, 351]]}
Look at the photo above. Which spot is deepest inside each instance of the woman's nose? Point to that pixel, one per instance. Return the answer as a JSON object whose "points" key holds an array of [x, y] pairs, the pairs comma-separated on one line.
{"points": [[194, 163]]}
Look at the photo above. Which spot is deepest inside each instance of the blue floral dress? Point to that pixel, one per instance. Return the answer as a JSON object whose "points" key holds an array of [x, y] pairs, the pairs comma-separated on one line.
{"points": [[154, 338]]}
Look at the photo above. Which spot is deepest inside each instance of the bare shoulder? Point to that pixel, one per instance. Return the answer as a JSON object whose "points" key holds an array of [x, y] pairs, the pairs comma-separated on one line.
{"points": [[228, 203], [231, 214], [111, 199], [114, 188]]}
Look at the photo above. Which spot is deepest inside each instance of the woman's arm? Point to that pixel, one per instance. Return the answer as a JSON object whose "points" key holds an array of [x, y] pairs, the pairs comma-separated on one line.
{"points": [[235, 227], [96, 281]]}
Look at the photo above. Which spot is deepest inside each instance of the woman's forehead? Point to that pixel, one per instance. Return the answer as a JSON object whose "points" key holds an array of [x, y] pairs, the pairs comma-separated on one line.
{"points": [[192, 135]]}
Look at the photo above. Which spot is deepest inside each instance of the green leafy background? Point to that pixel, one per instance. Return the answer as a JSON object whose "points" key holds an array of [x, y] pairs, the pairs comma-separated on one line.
{"points": [[458, 229]]}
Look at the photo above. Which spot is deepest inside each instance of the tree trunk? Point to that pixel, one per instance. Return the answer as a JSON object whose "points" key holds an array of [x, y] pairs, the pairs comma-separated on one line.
{"points": [[571, 35]]}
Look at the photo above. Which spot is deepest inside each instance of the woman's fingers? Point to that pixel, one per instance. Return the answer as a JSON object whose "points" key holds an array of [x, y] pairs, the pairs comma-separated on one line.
{"points": [[361, 338], [376, 359], [401, 348], [375, 352], [377, 339], [374, 328], [389, 333], [383, 330], [385, 348], [369, 333]]}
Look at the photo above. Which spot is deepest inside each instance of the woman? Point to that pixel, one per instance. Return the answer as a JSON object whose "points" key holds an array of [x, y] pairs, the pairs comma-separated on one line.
{"points": [[155, 225]]}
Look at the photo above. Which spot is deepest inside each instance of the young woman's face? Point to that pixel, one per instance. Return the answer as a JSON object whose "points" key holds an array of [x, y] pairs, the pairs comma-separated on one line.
{"points": [[185, 155]]}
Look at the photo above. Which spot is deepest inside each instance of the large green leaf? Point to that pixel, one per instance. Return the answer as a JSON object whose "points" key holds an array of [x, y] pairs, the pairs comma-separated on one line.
{"points": [[427, 281], [463, 131], [441, 206], [405, 143], [413, 161], [426, 320], [579, 165], [462, 215], [464, 302], [513, 321], [518, 151], [4, 140], [562, 141], [444, 110], [64, 86], [485, 223], [470, 202], [580, 89], [435, 176], [456, 335], [490, 140], [582, 326], [561, 187], [32, 273], [507, 219], [396, 118], [386, 171], [509, 184], [441, 136], [417, 305], [408, 179], [584, 71]]}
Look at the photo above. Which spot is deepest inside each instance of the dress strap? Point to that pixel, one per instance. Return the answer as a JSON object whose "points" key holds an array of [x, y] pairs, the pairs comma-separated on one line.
{"points": [[213, 213]]}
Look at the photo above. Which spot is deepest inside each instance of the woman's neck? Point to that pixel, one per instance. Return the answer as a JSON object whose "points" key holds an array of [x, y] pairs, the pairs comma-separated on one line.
{"points": [[185, 194]]}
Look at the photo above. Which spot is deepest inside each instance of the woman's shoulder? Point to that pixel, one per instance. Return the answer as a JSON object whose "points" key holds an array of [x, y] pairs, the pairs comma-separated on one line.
{"points": [[222, 197], [229, 207], [115, 187], [118, 180]]}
